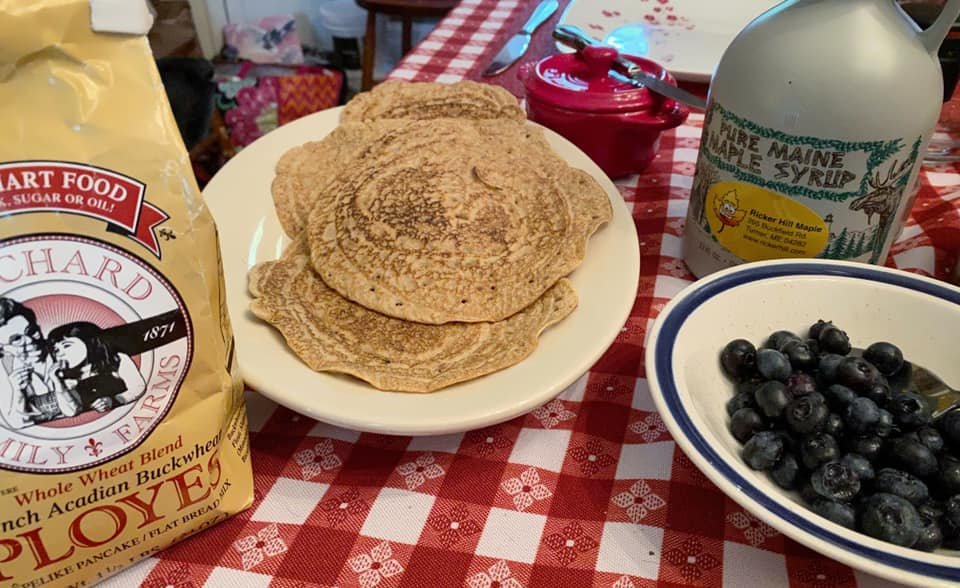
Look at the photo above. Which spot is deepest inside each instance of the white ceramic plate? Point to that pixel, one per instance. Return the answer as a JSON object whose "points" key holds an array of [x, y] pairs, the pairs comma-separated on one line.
{"points": [[751, 301], [688, 37], [239, 197]]}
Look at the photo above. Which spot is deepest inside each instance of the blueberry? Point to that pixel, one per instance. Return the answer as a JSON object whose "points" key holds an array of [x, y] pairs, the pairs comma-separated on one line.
{"points": [[869, 446], [833, 340], [860, 465], [786, 473], [901, 380], [779, 339], [902, 484], [950, 522], [838, 512], [790, 443], [887, 357], [818, 448], [890, 518], [807, 492], [806, 414], [827, 368], [931, 438], [884, 426], [880, 378], [931, 537], [948, 541], [800, 355], [741, 400], [749, 385], [856, 373], [949, 425], [739, 358], [948, 474], [773, 365], [815, 329], [744, 423], [797, 400], [835, 481], [911, 456], [763, 450], [772, 398], [879, 393], [839, 396], [909, 410], [833, 425], [861, 416], [931, 509], [801, 384]]}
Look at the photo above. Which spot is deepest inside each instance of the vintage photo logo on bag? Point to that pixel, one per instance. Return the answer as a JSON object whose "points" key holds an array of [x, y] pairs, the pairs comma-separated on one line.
{"points": [[94, 345]]}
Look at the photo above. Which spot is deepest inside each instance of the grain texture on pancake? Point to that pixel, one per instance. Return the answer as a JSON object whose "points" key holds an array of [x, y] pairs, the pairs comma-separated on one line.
{"points": [[442, 221], [303, 170], [465, 100], [330, 333]]}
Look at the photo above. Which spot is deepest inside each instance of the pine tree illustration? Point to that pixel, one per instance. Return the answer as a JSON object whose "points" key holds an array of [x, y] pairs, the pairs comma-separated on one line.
{"points": [[851, 250], [858, 250], [840, 245]]}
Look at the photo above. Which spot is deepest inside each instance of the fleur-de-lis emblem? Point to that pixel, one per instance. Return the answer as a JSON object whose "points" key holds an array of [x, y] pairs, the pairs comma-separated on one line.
{"points": [[93, 447]]}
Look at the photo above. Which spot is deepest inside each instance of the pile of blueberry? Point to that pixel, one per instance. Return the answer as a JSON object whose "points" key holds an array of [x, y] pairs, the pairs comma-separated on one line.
{"points": [[848, 433]]}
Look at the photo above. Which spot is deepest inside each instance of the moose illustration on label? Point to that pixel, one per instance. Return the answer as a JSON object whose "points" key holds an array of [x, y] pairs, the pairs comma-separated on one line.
{"points": [[94, 345], [883, 200]]}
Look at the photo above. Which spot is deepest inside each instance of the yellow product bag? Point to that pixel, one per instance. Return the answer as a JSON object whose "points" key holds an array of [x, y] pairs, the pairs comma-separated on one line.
{"points": [[122, 422]]}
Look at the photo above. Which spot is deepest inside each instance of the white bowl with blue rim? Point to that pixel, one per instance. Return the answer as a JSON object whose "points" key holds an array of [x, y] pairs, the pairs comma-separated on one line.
{"points": [[919, 314]]}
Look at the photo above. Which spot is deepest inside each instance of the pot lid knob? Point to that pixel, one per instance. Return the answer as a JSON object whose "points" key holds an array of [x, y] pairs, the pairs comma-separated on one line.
{"points": [[599, 59]]}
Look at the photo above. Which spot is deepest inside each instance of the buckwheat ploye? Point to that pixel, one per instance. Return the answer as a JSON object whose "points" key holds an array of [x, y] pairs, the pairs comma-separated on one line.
{"points": [[330, 333], [432, 232]]}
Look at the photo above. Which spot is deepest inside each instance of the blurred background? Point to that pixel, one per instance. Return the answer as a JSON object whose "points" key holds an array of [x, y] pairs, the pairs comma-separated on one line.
{"points": [[236, 69]]}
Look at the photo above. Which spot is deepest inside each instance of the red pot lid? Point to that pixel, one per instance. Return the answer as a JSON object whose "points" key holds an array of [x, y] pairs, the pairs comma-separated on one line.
{"points": [[580, 81]]}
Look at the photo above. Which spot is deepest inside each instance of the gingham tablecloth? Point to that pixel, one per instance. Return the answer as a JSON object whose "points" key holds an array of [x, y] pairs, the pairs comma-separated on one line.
{"points": [[588, 490]]}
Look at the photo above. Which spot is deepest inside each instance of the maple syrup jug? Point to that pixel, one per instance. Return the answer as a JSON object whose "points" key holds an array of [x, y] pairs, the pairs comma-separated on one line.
{"points": [[818, 118]]}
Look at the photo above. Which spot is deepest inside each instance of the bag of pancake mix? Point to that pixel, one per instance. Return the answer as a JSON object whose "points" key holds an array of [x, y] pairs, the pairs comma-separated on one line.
{"points": [[122, 423]]}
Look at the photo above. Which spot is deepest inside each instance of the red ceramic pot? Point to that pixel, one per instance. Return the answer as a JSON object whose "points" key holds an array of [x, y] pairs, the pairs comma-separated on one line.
{"points": [[615, 123]]}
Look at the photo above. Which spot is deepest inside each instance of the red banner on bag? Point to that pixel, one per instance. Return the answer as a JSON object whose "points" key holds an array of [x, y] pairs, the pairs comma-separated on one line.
{"points": [[74, 188]]}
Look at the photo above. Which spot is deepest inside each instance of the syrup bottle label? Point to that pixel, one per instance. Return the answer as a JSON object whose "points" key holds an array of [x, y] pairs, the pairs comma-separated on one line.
{"points": [[760, 193]]}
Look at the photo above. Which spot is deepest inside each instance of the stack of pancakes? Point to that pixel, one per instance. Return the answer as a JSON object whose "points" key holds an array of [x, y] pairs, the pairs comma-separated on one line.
{"points": [[431, 233]]}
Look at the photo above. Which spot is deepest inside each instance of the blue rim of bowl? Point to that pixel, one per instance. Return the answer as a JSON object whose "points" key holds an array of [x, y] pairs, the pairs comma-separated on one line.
{"points": [[666, 339]]}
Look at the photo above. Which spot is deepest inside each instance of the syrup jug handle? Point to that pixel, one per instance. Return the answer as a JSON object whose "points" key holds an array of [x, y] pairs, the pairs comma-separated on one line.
{"points": [[937, 32]]}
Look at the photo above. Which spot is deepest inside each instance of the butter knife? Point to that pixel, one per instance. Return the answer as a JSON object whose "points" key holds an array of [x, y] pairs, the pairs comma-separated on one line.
{"points": [[626, 70], [517, 45]]}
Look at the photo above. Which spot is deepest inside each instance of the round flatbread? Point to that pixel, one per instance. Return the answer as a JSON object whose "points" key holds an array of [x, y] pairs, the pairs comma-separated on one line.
{"points": [[330, 333], [302, 171], [465, 100], [444, 220]]}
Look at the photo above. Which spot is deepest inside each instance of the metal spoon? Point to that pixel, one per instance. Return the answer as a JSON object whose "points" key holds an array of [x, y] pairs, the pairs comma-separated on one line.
{"points": [[940, 397]]}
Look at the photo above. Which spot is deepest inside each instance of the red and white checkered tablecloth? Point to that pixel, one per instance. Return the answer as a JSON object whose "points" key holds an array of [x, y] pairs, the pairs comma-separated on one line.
{"points": [[588, 490]]}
